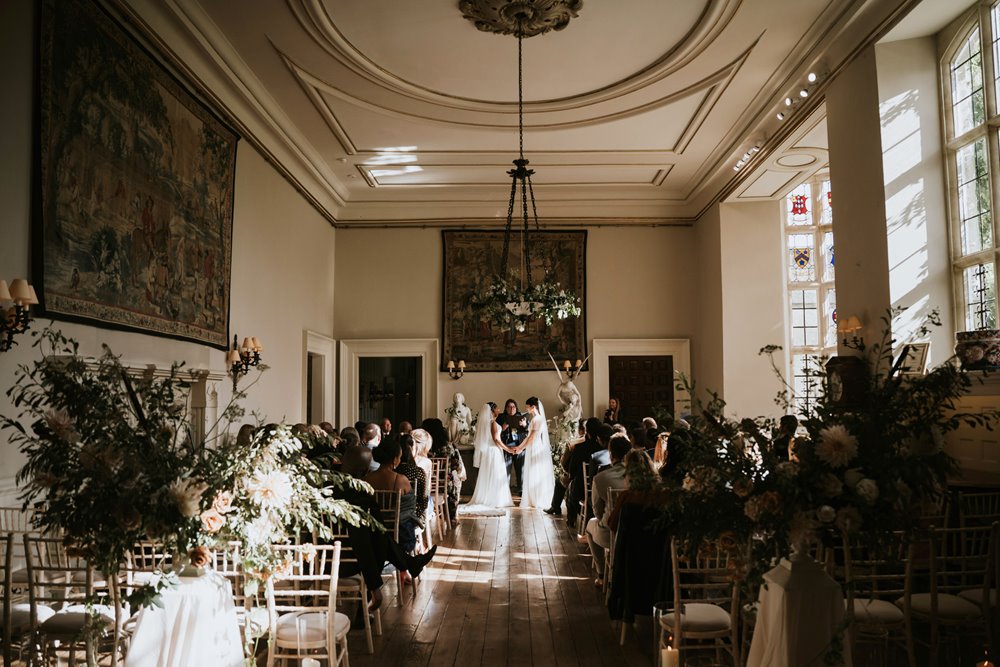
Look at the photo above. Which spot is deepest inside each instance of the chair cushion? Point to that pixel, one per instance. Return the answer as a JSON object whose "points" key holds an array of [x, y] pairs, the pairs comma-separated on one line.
{"points": [[310, 627], [70, 620], [20, 615], [699, 617], [975, 596], [950, 607], [876, 612]]}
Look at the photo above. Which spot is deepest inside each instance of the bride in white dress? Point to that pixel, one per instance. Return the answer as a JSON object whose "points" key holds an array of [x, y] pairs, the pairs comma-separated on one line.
{"points": [[492, 486], [539, 475]]}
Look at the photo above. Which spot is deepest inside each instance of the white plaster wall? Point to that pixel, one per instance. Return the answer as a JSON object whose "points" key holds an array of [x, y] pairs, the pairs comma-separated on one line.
{"points": [[753, 311], [640, 284], [283, 253], [915, 202]]}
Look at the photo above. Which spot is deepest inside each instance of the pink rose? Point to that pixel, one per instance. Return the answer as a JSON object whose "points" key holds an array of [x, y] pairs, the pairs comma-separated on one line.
{"points": [[212, 521]]}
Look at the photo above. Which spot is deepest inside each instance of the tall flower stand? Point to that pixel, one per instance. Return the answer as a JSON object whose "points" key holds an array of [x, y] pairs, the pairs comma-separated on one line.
{"points": [[800, 609]]}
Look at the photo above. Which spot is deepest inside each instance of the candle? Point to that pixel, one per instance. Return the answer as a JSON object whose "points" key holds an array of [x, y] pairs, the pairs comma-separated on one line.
{"points": [[451, 365], [461, 365], [670, 657]]}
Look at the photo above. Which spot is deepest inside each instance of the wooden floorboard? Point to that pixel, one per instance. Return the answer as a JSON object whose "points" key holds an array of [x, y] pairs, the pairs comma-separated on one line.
{"points": [[512, 590]]}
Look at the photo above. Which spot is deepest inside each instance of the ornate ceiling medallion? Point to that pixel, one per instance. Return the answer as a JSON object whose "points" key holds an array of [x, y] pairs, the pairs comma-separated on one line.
{"points": [[535, 16]]}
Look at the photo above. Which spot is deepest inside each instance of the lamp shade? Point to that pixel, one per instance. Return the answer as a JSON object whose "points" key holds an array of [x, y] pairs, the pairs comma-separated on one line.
{"points": [[4, 292], [33, 298], [232, 357], [19, 290], [247, 345], [257, 347]]}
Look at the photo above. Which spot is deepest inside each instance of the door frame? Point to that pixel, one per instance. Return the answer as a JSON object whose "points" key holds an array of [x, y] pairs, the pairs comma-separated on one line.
{"points": [[325, 347], [351, 351], [605, 348]]}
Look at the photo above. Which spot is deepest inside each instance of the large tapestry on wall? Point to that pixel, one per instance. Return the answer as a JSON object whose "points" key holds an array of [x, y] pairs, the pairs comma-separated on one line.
{"points": [[134, 188], [471, 260]]}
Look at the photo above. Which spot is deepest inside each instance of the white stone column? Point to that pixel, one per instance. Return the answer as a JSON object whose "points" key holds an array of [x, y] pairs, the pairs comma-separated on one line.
{"points": [[856, 178]]}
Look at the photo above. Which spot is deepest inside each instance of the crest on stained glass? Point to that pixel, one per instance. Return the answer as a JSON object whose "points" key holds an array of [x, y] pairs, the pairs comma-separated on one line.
{"points": [[800, 206], [833, 316], [801, 257]]}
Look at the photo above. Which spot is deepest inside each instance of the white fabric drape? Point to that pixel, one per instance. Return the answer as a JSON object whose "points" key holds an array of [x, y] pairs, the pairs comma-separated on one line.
{"points": [[484, 435]]}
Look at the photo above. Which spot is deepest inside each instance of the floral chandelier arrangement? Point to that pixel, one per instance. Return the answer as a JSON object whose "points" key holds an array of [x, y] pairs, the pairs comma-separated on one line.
{"points": [[514, 299]]}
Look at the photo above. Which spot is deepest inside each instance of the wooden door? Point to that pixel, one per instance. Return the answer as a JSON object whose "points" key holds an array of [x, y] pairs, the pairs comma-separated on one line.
{"points": [[641, 383]]}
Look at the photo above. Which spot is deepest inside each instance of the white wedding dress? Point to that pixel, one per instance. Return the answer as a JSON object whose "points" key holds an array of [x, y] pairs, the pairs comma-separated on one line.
{"points": [[539, 475], [492, 486]]}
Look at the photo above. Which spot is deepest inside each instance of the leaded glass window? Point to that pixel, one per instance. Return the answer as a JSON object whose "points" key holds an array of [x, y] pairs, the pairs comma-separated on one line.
{"points": [[981, 297], [811, 298], [974, 197], [971, 150], [967, 101]]}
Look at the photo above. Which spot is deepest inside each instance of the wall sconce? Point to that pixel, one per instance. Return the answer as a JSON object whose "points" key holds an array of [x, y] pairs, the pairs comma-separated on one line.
{"points": [[572, 370], [15, 319], [243, 357], [456, 372], [848, 330]]}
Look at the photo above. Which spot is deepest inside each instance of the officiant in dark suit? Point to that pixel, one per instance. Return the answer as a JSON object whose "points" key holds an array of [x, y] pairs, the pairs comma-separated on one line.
{"points": [[513, 431]]}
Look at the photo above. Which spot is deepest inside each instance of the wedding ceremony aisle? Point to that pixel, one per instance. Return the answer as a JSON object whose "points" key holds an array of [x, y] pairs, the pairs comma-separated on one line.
{"points": [[512, 590]]}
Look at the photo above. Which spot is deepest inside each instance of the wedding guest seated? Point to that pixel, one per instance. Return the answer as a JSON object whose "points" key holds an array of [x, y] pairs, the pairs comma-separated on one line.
{"points": [[598, 533], [372, 548], [385, 478], [418, 478], [620, 428], [371, 437], [648, 423], [642, 485], [421, 449], [349, 437], [405, 428], [601, 459], [386, 426], [579, 457], [456, 469], [675, 467]]}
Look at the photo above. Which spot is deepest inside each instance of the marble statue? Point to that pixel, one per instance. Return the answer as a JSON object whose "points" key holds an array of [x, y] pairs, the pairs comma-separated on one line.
{"points": [[459, 421]]}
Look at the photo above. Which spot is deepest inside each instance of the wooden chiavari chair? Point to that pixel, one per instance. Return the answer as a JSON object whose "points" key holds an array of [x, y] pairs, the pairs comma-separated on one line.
{"points": [[303, 617], [441, 513]]}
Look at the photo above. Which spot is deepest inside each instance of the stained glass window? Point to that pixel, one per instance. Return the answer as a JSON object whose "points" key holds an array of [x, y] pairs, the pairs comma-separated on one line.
{"points": [[974, 197], [967, 100], [812, 299], [802, 259], [980, 297], [830, 318], [799, 206]]}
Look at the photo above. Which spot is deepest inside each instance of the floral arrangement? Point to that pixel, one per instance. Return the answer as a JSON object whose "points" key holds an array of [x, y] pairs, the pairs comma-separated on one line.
{"points": [[868, 469], [511, 306], [111, 460], [263, 490]]}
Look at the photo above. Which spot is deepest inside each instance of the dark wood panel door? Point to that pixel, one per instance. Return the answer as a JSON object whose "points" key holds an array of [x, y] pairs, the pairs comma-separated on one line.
{"points": [[641, 383]]}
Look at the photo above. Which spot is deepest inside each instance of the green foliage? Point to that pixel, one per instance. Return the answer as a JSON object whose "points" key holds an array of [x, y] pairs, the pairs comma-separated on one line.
{"points": [[547, 301]]}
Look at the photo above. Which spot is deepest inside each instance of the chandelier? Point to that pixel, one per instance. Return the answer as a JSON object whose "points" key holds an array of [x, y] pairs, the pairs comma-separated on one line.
{"points": [[514, 299]]}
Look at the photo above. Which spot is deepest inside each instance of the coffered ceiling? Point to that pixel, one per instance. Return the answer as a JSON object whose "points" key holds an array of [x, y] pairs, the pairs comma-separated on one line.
{"points": [[402, 112]]}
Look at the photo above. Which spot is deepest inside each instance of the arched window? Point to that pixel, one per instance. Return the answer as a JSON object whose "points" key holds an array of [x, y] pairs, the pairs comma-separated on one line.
{"points": [[809, 277], [969, 76]]}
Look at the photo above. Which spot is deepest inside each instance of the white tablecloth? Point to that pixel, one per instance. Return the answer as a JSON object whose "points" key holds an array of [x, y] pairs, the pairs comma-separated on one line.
{"points": [[197, 625], [797, 615]]}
